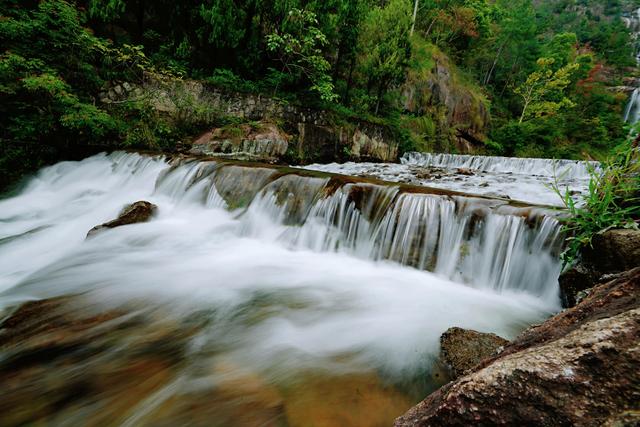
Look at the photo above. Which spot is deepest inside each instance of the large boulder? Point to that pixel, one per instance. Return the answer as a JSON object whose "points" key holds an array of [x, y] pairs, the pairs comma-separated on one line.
{"points": [[614, 251], [140, 211], [463, 349], [611, 252], [250, 141], [579, 368]]}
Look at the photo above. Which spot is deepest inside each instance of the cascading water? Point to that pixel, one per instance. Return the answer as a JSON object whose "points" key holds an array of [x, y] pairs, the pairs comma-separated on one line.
{"points": [[632, 110], [561, 168], [291, 277], [527, 180]]}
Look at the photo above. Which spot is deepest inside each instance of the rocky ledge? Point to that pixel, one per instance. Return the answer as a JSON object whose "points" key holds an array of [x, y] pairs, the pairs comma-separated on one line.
{"points": [[579, 368]]}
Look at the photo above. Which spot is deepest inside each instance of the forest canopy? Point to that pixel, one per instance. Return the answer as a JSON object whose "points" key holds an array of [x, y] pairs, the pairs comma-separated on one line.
{"points": [[543, 69]]}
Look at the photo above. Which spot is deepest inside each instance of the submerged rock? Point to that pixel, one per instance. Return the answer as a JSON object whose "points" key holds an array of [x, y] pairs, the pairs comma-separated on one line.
{"points": [[611, 252], [579, 368], [137, 212], [462, 349]]}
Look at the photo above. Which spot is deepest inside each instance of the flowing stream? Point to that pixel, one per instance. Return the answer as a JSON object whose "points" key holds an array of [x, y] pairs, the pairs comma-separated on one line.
{"points": [[261, 296], [528, 180]]}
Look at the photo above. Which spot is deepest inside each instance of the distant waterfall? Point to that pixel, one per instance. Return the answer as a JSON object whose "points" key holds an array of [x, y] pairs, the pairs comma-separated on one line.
{"points": [[566, 169], [632, 110]]}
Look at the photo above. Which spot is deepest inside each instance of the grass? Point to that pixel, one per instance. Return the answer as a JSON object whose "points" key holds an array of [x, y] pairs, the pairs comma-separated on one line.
{"points": [[613, 201]]}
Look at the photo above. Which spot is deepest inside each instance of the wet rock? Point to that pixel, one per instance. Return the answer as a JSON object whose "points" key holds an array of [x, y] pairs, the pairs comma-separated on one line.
{"points": [[228, 396], [575, 281], [74, 358], [464, 171], [238, 185], [137, 212], [611, 252], [579, 368], [351, 400], [462, 349]]}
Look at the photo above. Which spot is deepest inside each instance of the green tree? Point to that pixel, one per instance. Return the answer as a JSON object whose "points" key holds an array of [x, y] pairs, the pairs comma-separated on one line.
{"points": [[385, 47], [543, 91], [298, 47]]}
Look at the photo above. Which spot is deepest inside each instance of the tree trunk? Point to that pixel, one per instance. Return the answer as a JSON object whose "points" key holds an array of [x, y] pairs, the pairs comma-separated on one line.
{"points": [[415, 14], [495, 62], [352, 65]]}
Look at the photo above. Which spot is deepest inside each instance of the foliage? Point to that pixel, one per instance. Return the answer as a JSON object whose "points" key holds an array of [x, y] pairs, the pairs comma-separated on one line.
{"points": [[385, 45], [543, 92], [613, 201], [298, 46], [358, 56]]}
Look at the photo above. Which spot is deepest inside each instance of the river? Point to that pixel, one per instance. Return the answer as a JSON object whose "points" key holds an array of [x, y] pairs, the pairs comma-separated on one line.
{"points": [[288, 297]]}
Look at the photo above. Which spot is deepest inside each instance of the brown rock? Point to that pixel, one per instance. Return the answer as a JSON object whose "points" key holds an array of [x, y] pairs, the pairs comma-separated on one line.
{"points": [[464, 171], [579, 368], [462, 349], [611, 252], [134, 213], [250, 141], [614, 251]]}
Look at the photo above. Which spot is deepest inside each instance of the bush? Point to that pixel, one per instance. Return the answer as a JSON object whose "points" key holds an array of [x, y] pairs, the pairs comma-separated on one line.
{"points": [[613, 201]]}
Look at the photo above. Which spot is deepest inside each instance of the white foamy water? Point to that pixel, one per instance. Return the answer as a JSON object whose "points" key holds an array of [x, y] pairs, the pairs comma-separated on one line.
{"points": [[344, 272], [527, 180]]}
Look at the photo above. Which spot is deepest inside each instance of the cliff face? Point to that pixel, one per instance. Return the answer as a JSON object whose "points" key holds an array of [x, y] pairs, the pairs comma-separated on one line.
{"points": [[578, 368], [436, 92], [268, 129]]}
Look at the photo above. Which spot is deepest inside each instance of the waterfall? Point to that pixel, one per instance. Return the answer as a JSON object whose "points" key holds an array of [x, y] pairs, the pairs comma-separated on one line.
{"points": [[472, 241], [561, 168], [290, 275], [632, 110]]}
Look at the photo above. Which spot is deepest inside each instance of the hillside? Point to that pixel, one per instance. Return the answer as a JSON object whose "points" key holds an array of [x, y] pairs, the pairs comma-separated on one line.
{"points": [[516, 78]]}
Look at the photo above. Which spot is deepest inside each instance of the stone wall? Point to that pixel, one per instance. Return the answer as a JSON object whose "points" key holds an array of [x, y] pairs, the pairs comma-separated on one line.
{"points": [[308, 135]]}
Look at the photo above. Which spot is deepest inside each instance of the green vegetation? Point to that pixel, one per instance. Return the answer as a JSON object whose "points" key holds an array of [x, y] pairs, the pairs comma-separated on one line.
{"points": [[511, 77], [613, 201]]}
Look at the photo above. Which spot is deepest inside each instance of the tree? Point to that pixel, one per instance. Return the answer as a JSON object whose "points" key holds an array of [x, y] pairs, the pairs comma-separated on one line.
{"points": [[543, 91], [298, 48], [385, 46]]}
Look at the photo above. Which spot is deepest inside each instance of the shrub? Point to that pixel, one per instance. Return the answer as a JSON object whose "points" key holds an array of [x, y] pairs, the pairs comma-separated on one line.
{"points": [[613, 201]]}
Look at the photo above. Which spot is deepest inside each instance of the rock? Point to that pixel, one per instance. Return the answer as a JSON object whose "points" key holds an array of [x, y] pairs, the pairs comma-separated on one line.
{"points": [[257, 141], [574, 281], [460, 112], [579, 368], [464, 171], [302, 134], [614, 251], [238, 185], [349, 400], [611, 252], [67, 353], [137, 212], [462, 349]]}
